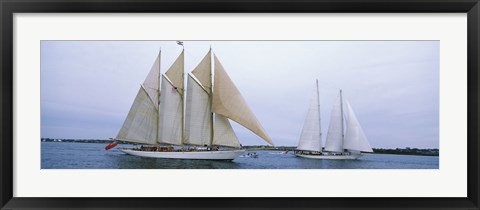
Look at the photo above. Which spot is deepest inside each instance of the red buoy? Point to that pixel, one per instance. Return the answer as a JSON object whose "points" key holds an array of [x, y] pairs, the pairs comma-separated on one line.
{"points": [[111, 145]]}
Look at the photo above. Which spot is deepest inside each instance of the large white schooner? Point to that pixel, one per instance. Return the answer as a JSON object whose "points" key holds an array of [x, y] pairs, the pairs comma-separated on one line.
{"points": [[199, 129], [345, 138]]}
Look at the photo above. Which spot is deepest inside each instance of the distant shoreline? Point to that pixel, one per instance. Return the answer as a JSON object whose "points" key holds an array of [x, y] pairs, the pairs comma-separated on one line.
{"points": [[397, 151]]}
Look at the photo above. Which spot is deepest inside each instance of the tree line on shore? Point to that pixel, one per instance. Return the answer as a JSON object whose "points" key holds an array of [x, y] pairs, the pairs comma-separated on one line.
{"points": [[398, 151]]}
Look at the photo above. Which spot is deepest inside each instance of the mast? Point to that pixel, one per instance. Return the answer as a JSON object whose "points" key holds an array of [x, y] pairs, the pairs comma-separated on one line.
{"points": [[311, 135], [319, 119], [341, 116], [183, 98], [211, 97], [171, 103], [158, 95]]}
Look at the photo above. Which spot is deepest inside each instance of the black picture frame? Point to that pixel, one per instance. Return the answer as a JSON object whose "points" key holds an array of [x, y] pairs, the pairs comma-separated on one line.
{"points": [[9, 7]]}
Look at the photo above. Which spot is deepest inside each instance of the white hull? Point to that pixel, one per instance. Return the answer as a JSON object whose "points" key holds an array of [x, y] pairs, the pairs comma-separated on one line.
{"points": [[194, 155], [331, 157]]}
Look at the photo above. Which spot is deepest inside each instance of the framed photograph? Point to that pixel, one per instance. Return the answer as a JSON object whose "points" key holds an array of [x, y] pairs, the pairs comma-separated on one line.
{"points": [[239, 105]]}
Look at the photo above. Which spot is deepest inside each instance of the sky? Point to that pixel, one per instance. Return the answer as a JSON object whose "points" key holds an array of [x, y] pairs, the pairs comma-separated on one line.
{"points": [[87, 87]]}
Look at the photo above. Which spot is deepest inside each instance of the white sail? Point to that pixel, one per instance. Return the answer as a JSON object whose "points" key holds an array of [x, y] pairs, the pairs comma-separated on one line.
{"points": [[151, 83], [228, 102], [355, 138], [311, 137], [170, 129], [224, 134], [140, 126], [203, 72], [147, 125], [198, 120], [170, 120], [175, 73], [334, 142]]}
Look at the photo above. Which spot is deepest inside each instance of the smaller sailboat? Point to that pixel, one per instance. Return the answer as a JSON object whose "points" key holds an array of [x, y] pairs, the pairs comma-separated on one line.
{"points": [[345, 138]]}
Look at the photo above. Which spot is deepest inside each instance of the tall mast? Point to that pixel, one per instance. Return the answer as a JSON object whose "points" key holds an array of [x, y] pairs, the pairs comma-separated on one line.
{"points": [[183, 97], [341, 115], [319, 119], [158, 94], [211, 97]]}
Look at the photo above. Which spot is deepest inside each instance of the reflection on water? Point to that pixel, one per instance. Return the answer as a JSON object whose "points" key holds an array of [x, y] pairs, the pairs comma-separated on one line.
{"points": [[128, 161], [63, 155]]}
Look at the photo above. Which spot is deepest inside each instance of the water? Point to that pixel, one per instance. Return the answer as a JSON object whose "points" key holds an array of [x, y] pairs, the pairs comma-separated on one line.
{"points": [[63, 155]]}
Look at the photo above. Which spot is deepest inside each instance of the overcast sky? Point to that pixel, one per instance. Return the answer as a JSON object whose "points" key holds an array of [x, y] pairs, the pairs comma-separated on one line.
{"points": [[87, 87]]}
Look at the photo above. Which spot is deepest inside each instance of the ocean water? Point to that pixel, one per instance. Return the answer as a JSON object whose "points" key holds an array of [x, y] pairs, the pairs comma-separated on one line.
{"points": [[63, 155]]}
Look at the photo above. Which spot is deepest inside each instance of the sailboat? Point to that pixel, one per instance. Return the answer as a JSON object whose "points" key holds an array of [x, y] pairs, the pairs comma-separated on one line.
{"points": [[345, 138], [168, 126]]}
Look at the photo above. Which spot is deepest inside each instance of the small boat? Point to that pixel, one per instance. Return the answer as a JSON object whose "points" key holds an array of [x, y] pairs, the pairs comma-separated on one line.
{"points": [[250, 155], [158, 120], [345, 138]]}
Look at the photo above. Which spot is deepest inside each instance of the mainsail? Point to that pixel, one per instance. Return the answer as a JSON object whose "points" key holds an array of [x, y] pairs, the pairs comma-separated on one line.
{"points": [[197, 114], [334, 142], [311, 136], [228, 102], [349, 136], [170, 129]]}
